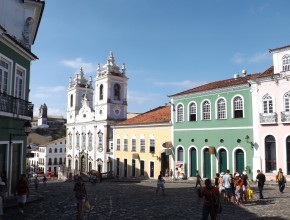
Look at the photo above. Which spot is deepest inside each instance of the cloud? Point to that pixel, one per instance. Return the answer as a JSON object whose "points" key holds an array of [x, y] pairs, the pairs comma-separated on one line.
{"points": [[259, 57], [45, 92], [78, 63], [258, 10]]}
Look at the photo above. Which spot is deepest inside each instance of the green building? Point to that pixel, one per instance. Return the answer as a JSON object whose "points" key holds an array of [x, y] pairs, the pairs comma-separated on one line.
{"points": [[213, 128], [19, 24]]}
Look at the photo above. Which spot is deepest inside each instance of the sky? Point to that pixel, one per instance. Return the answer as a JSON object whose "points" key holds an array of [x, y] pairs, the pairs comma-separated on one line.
{"points": [[168, 46]]}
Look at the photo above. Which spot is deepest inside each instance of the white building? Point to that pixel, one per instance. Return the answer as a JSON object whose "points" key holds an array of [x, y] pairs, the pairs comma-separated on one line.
{"points": [[49, 157], [90, 114]]}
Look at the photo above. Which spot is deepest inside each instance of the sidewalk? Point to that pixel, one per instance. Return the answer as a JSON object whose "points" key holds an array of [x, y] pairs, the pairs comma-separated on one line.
{"points": [[11, 201]]}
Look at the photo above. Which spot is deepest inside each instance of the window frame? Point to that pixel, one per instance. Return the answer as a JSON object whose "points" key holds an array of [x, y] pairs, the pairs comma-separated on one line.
{"points": [[221, 112], [268, 104], [8, 74], [235, 112], [206, 115], [179, 112], [192, 113], [19, 82]]}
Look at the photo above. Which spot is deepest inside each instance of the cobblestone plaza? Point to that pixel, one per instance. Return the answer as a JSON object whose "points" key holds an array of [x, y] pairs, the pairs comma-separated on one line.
{"points": [[131, 200]]}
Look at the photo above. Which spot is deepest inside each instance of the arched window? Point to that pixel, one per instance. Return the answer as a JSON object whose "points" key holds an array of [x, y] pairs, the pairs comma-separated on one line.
{"points": [[192, 112], [221, 109], [55, 150], [238, 107], [206, 110], [60, 160], [50, 150], [49, 161], [286, 62], [270, 153], [179, 113], [60, 150], [71, 100], [101, 92], [117, 89], [267, 104], [55, 161], [180, 154]]}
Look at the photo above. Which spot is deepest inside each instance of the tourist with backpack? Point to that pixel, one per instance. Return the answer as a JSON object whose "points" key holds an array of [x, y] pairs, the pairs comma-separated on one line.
{"points": [[281, 180]]}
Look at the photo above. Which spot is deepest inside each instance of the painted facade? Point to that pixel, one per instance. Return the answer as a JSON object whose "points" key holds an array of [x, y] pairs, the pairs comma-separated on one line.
{"points": [[91, 112], [142, 145], [211, 123], [49, 157], [271, 114], [19, 23]]}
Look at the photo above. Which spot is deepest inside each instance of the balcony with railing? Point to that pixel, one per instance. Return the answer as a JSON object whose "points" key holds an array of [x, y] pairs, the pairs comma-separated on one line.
{"points": [[268, 118], [16, 106], [285, 117]]}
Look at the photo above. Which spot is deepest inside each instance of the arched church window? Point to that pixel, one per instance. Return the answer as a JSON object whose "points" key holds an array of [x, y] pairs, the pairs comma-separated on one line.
{"points": [[71, 100], [101, 92], [117, 90]]}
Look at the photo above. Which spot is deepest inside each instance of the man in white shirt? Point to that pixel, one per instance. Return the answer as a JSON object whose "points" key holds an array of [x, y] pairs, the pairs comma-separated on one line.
{"points": [[227, 184]]}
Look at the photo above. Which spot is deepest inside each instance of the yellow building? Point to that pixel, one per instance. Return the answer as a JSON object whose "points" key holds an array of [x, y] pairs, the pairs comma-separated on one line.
{"points": [[142, 145]]}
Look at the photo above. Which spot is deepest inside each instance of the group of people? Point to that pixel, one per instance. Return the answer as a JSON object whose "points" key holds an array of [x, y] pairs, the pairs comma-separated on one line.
{"points": [[232, 188]]}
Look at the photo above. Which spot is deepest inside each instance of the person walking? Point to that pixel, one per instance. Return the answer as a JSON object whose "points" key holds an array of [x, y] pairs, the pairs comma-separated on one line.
{"points": [[198, 180], [209, 204], [22, 190], [160, 184], [246, 184], [261, 179], [44, 180], [281, 180], [228, 187], [171, 175], [81, 196], [36, 183]]}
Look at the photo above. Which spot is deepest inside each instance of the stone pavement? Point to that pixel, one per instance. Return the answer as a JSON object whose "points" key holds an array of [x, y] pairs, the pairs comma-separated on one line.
{"points": [[138, 200]]}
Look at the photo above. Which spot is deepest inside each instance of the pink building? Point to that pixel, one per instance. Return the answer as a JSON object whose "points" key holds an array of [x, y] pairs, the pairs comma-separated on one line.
{"points": [[271, 116]]}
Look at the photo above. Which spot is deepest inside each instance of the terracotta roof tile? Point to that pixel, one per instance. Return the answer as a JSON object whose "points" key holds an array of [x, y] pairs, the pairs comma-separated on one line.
{"points": [[161, 114], [228, 82]]}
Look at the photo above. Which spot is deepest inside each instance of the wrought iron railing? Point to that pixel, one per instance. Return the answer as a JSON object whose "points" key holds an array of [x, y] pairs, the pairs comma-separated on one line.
{"points": [[11, 104], [268, 119], [285, 117]]}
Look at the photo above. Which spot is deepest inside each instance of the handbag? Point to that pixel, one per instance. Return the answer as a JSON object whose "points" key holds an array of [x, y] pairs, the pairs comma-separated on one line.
{"points": [[87, 204]]}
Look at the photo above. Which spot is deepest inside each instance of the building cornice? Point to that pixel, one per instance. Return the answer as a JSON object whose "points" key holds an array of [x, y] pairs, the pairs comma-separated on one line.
{"points": [[10, 42]]}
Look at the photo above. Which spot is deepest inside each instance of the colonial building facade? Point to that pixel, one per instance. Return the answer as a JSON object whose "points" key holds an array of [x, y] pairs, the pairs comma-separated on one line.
{"points": [[19, 23], [91, 113], [49, 157], [212, 126], [271, 115], [142, 145]]}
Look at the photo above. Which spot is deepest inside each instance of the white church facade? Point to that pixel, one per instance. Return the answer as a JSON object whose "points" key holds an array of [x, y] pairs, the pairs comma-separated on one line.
{"points": [[94, 106]]}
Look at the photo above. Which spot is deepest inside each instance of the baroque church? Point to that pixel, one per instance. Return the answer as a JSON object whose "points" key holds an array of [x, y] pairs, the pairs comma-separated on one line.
{"points": [[94, 105]]}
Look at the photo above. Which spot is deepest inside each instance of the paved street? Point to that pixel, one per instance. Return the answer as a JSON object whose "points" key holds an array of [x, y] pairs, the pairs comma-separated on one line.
{"points": [[124, 200]]}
